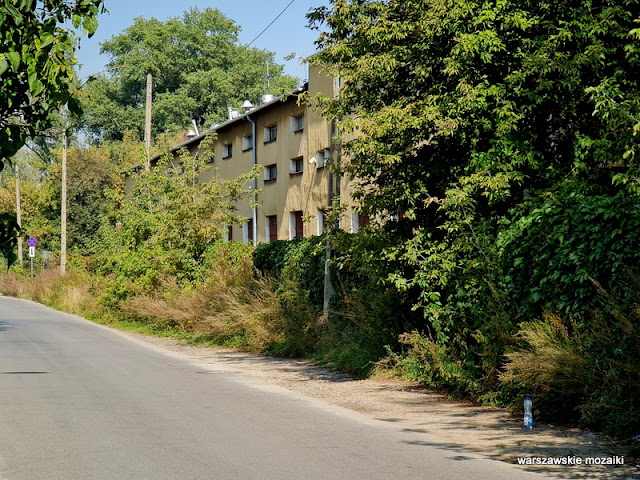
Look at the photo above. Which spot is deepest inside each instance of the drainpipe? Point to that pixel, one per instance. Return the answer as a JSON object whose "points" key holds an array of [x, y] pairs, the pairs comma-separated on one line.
{"points": [[255, 181]]}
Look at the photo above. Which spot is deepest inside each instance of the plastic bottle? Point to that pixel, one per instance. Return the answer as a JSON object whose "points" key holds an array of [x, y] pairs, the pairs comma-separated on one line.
{"points": [[528, 415]]}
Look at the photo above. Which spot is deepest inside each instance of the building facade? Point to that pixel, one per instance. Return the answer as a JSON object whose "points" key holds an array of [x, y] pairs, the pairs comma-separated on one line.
{"points": [[295, 146]]}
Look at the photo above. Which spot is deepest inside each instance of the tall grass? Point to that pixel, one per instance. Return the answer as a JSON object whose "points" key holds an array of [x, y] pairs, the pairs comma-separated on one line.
{"points": [[585, 372]]}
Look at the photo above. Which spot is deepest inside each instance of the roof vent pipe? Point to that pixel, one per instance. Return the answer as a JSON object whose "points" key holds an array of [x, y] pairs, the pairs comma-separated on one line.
{"points": [[247, 105]]}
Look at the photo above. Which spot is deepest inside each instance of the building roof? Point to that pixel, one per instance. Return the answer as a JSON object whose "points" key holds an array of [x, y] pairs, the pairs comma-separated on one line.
{"points": [[197, 139]]}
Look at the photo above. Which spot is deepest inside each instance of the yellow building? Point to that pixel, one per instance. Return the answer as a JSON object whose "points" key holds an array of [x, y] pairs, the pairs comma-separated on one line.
{"points": [[294, 144]]}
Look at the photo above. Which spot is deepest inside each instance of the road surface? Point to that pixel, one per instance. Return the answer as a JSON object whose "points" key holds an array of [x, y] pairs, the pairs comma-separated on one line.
{"points": [[80, 401]]}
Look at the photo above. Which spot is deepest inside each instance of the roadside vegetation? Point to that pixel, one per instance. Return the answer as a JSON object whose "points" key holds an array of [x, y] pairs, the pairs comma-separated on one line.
{"points": [[500, 154]]}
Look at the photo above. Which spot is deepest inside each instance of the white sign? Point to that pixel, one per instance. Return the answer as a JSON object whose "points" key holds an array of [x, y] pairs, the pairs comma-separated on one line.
{"points": [[32, 251]]}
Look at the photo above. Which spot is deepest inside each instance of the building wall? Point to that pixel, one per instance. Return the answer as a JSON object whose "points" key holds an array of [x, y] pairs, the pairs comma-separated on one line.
{"points": [[306, 191]]}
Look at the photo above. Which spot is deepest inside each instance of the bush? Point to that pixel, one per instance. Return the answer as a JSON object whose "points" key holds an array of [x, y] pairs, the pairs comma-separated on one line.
{"points": [[555, 254], [585, 372]]}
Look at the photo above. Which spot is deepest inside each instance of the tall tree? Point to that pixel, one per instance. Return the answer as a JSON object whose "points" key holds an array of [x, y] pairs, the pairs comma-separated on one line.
{"points": [[470, 114], [198, 69], [36, 64], [36, 74]]}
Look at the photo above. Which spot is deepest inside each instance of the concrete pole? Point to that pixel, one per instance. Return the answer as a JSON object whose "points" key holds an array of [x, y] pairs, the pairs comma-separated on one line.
{"points": [[147, 122], [18, 211], [63, 208]]}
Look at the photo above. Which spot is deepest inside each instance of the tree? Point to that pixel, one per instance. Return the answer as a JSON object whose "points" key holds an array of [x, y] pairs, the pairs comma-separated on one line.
{"points": [[36, 64], [198, 69], [36, 74], [469, 116], [169, 217]]}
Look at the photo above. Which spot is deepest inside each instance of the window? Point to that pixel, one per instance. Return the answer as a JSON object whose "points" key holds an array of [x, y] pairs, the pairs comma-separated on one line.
{"points": [[272, 228], [270, 133], [247, 231], [296, 166], [296, 226], [270, 173], [323, 157], [337, 85], [355, 226], [322, 221], [247, 143], [358, 220], [227, 150], [230, 232], [297, 123]]}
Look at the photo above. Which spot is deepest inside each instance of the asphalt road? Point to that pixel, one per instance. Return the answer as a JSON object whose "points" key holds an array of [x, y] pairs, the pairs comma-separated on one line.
{"points": [[79, 401]]}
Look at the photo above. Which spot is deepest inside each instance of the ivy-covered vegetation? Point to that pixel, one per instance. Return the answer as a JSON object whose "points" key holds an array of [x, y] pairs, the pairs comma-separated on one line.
{"points": [[503, 137]]}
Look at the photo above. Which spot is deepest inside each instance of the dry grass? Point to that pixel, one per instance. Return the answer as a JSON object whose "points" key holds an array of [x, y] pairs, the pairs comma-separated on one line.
{"points": [[70, 292], [12, 286], [233, 308], [550, 364]]}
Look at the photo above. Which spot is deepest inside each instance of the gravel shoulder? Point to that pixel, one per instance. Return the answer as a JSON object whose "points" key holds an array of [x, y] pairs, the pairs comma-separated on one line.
{"points": [[458, 426]]}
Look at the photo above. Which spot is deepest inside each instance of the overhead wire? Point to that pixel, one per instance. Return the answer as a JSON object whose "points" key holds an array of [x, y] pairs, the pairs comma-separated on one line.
{"points": [[272, 22]]}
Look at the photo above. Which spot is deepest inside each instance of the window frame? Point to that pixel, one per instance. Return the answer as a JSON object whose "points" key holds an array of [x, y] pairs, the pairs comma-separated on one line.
{"points": [[271, 224], [247, 143], [297, 123], [293, 166], [271, 133], [296, 224], [227, 150], [268, 169]]}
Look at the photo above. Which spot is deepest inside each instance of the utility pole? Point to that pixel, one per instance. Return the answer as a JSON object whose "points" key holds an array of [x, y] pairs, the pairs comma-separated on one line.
{"points": [[18, 211], [334, 202], [63, 208], [147, 122]]}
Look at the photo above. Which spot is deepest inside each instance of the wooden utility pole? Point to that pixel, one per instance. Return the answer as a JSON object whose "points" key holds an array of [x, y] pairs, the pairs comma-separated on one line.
{"points": [[147, 122], [18, 212], [63, 208]]}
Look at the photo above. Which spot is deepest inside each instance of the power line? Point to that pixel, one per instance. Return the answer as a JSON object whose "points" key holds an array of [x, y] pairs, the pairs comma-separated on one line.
{"points": [[272, 22]]}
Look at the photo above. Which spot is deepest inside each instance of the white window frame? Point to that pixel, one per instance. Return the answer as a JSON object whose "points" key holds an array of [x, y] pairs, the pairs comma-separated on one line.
{"points": [[266, 229], [267, 173], [292, 225], [296, 123], [320, 222], [245, 232], [323, 157], [270, 133], [227, 150], [355, 224], [247, 143], [293, 165]]}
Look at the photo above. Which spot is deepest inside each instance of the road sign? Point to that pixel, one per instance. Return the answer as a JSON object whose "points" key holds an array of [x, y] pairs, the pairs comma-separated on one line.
{"points": [[32, 252], [32, 242]]}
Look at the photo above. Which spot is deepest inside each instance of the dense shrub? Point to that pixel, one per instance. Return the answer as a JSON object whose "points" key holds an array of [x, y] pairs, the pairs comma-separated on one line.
{"points": [[270, 258], [556, 254], [586, 373]]}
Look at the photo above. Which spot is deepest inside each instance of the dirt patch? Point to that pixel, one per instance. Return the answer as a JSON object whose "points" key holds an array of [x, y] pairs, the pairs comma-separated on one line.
{"points": [[457, 425]]}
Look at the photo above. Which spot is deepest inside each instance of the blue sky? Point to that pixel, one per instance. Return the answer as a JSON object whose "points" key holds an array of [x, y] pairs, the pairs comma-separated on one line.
{"points": [[287, 35]]}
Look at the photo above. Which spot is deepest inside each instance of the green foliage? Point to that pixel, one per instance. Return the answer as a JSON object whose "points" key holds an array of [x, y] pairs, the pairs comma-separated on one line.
{"points": [[457, 117], [166, 224], [580, 372], [36, 69], [198, 69], [365, 314], [9, 230], [271, 258], [555, 253], [36, 65]]}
